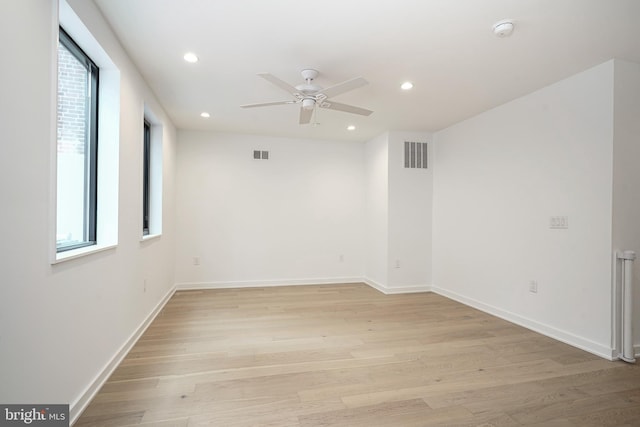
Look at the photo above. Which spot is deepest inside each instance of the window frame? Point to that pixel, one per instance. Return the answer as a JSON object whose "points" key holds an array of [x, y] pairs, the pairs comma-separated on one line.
{"points": [[155, 158], [91, 145], [146, 178]]}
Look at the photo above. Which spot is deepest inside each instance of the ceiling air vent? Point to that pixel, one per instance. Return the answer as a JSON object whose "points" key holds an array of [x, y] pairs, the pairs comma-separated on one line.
{"points": [[415, 155]]}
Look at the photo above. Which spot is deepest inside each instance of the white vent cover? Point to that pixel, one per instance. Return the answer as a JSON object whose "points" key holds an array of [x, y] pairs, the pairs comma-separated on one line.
{"points": [[415, 155]]}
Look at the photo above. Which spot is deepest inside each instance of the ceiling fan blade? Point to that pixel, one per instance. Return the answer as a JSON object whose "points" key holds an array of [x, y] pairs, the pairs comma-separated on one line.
{"points": [[280, 83], [344, 87], [267, 104], [346, 108], [305, 116]]}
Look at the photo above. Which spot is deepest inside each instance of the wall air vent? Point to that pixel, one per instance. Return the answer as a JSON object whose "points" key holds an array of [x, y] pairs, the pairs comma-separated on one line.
{"points": [[260, 155], [415, 155]]}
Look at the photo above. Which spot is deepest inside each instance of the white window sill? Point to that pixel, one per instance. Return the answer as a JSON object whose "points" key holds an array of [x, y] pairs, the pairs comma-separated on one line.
{"points": [[150, 237], [80, 252]]}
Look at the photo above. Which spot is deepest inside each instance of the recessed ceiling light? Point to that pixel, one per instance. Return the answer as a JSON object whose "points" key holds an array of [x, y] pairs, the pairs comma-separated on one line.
{"points": [[351, 127], [190, 57], [205, 115], [406, 86]]}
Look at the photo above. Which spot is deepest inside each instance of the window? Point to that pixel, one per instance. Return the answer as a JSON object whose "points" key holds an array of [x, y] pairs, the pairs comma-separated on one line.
{"points": [[77, 147], [146, 178], [152, 137], [85, 170]]}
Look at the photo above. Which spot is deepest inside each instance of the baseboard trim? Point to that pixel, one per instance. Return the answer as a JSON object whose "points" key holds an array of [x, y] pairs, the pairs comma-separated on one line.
{"points": [[266, 283], [396, 290], [549, 331], [80, 404]]}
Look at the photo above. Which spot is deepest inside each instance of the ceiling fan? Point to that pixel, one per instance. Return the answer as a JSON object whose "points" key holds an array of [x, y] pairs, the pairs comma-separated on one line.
{"points": [[310, 95]]}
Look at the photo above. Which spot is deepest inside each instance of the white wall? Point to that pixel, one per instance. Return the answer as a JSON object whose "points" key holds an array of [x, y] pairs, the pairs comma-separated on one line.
{"points": [[398, 216], [288, 219], [626, 170], [60, 325], [499, 177], [377, 211], [410, 216]]}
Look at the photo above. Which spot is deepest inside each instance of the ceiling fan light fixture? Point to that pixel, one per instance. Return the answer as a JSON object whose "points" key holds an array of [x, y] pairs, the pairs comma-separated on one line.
{"points": [[308, 103]]}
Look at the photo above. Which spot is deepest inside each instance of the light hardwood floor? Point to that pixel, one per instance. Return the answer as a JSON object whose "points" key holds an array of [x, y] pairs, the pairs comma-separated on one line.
{"points": [[347, 355]]}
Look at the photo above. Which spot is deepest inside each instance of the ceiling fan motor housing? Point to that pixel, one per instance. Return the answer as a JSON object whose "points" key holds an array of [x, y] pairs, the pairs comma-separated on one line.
{"points": [[308, 89]]}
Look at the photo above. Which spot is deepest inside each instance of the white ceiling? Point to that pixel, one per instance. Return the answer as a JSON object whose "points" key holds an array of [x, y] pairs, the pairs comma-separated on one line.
{"points": [[446, 47]]}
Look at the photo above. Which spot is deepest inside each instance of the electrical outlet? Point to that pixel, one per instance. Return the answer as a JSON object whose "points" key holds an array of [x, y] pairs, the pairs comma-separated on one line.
{"points": [[341, 258], [144, 285], [533, 287], [559, 222], [196, 260], [397, 263]]}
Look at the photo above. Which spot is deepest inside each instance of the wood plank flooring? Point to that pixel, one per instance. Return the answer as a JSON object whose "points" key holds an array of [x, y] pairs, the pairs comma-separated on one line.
{"points": [[347, 355]]}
